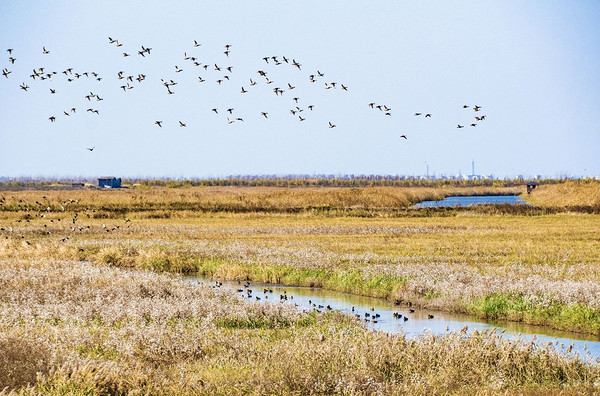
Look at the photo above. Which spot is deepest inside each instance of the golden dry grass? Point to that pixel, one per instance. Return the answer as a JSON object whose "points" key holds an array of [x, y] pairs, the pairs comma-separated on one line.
{"points": [[568, 194], [234, 199]]}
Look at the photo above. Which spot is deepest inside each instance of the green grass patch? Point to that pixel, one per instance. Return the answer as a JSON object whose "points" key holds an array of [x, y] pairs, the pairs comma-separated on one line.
{"points": [[349, 281], [575, 317]]}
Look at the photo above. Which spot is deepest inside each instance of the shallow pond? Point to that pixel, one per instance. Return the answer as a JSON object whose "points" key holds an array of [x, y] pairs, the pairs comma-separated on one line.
{"points": [[473, 200], [412, 324]]}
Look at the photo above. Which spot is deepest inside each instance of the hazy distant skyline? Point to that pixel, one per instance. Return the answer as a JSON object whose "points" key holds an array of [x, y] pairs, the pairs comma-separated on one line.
{"points": [[533, 67]]}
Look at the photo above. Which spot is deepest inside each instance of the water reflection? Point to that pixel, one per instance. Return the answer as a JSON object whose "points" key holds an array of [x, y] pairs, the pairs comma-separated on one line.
{"points": [[473, 200], [380, 314]]}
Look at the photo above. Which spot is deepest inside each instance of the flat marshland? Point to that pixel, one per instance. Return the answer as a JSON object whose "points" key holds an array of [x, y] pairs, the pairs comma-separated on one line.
{"points": [[91, 300]]}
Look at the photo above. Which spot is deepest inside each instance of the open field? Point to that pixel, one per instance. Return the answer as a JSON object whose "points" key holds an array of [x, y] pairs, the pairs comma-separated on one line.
{"points": [[105, 325]]}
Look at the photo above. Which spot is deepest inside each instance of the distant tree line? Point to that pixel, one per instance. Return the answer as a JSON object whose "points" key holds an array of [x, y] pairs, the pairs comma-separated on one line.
{"points": [[290, 181]]}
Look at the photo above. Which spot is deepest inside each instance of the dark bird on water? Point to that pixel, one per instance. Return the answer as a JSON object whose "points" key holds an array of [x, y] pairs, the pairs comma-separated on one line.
{"points": [[460, 126]]}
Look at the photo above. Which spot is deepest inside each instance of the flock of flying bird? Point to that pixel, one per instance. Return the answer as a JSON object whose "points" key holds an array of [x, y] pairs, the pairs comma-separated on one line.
{"points": [[224, 76]]}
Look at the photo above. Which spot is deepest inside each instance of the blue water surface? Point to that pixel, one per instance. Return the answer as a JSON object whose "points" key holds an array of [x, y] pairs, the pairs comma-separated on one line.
{"points": [[473, 200]]}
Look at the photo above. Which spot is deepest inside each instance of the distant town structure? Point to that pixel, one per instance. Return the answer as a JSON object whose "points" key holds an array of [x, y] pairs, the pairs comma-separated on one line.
{"points": [[109, 182]]}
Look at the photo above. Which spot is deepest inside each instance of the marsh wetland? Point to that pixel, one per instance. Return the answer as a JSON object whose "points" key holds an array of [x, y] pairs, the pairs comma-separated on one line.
{"points": [[95, 291]]}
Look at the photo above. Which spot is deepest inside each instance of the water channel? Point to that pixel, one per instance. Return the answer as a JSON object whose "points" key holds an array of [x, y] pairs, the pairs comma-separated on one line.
{"points": [[473, 200], [413, 322]]}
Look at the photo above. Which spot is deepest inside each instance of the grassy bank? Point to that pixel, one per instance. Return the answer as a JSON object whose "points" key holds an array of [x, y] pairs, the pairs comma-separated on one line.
{"points": [[573, 195]]}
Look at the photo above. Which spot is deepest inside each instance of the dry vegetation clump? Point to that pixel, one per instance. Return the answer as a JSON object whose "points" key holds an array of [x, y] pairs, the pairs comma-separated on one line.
{"points": [[68, 327], [571, 194]]}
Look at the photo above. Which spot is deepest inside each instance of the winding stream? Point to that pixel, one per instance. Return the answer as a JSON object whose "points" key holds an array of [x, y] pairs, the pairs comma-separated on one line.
{"points": [[415, 324]]}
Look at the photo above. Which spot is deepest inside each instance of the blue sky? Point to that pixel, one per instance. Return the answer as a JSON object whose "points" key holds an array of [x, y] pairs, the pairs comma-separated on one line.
{"points": [[532, 66]]}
